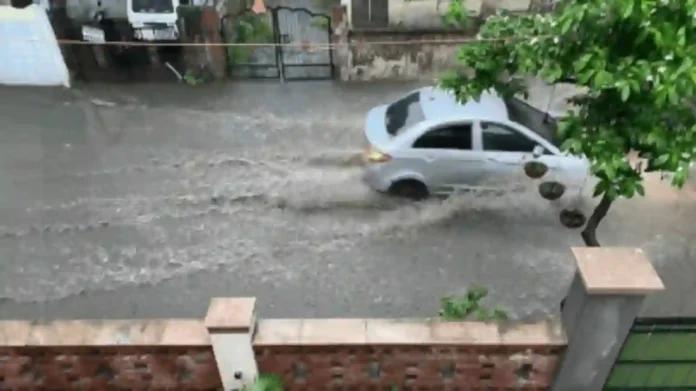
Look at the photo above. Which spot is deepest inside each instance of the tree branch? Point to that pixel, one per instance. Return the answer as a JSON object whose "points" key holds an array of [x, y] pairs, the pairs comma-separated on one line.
{"points": [[589, 234]]}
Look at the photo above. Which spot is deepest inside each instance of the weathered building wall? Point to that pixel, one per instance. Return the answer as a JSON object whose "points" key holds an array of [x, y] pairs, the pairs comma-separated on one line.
{"points": [[418, 14], [415, 44], [202, 27], [397, 54]]}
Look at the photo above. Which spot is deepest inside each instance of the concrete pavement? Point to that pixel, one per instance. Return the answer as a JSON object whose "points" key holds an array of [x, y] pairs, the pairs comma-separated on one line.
{"points": [[123, 202]]}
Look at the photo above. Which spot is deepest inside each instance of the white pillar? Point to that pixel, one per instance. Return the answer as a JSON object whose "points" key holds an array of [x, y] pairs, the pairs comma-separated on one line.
{"points": [[231, 323], [604, 299]]}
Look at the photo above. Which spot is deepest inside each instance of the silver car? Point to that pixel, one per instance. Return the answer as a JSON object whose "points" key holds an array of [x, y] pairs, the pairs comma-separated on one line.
{"points": [[427, 143]]}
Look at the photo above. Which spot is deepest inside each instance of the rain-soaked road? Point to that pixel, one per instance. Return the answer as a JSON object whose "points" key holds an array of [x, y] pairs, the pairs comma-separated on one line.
{"points": [[146, 201]]}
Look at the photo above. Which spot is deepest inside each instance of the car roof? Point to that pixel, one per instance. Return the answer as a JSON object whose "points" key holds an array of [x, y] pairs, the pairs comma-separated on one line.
{"points": [[437, 103]]}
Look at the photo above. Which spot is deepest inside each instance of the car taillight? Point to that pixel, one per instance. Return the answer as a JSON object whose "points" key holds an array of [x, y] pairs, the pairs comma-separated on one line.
{"points": [[373, 155]]}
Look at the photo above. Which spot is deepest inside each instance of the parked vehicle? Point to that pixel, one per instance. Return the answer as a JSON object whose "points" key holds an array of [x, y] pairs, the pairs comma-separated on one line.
{"points": [[150, 20], [427, 143]]}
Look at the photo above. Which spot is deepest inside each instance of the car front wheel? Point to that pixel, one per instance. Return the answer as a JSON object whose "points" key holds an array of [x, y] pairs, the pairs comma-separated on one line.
{"points": [[410, 189]]}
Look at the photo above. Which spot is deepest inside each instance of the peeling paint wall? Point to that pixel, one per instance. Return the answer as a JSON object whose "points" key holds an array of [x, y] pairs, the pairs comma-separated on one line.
{"points": [[370, 57], [424, 13], [428, 13], [367, 54]]}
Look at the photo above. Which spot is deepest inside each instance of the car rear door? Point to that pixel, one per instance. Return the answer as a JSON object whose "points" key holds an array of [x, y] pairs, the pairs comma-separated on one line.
{"points": [[507, 149], [447, 159]]}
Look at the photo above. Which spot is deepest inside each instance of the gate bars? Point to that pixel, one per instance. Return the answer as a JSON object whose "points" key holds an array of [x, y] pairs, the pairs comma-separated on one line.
{"points": [[277, 27]]}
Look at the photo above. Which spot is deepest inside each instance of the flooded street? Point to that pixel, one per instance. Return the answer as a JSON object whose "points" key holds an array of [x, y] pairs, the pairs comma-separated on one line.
{"points": [[122, 202]]}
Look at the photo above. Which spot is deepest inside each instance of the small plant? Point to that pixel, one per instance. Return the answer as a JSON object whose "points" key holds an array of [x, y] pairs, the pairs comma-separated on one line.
{"points": [[193, 78], [551, 190], [266, 382], [457, 16], [463, 307], [248, 28], [535, 170]]}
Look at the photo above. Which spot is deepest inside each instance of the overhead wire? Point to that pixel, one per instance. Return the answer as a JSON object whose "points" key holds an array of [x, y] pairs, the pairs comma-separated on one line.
{"points": [[305, 45]]}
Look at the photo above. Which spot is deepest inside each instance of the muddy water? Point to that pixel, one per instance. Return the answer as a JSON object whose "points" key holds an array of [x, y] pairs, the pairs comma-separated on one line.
{"points": [[203, 214], [138, 194]]}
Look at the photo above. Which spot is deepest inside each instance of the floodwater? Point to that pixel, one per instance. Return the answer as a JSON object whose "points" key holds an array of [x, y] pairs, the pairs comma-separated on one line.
{"points": [[146, 201]]}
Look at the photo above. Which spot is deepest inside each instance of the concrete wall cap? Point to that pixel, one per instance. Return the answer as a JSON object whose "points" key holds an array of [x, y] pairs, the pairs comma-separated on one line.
{"points": [[616, 271]]}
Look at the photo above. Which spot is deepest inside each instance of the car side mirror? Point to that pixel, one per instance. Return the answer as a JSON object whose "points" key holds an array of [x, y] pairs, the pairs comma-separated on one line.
{"points": [[538, 151]]}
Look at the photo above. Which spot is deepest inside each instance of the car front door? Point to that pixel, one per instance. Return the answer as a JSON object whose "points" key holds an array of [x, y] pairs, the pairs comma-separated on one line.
{"points": [[507, 150], [447, 157]]}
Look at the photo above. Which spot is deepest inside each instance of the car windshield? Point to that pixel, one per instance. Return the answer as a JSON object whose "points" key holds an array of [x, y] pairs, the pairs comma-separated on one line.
{"points": [[153, 6], [404, 113], [533, 119]]}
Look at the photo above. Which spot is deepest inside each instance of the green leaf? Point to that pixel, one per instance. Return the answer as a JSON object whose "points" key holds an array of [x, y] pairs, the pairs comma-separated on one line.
{"points": [[600, 189], [625, 92], [679, 178], [661, 160], [566, 24], [627, 188], [602, 79], [640, 189], [585, 76], [673, 96], [628, 8], [582, 62], [681, 36]]}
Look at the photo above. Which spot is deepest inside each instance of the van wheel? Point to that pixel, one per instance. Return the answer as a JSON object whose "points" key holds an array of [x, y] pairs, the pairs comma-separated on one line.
{"points": [[410, 189]]}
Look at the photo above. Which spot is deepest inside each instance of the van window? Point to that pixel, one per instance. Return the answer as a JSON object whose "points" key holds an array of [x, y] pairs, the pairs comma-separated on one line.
{"points": [[404, 113]]}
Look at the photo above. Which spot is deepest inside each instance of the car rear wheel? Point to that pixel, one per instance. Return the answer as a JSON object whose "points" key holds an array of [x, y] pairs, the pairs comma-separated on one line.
{"points": [[410, 189]]}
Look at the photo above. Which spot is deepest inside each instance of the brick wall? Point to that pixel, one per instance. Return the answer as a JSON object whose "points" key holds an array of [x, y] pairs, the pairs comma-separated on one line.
{"points": [[353, 354], [230, 347], [310, 354], [99, 355]]}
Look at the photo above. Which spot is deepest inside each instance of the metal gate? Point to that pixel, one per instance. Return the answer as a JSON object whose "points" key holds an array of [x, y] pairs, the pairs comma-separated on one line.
{"points": [[659, 354], [284, 43]]}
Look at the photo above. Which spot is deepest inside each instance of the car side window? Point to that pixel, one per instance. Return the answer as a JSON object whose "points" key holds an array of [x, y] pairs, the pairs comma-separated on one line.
{"points": [[448, 137], [501, 138]]}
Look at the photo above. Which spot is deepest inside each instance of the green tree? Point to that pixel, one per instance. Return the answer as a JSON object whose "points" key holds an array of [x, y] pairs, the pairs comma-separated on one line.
{"points": [[636, 60]]}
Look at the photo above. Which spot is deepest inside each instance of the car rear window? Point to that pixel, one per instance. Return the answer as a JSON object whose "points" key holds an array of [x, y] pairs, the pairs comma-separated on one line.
{"points": [[403, 113], [533, 119]]}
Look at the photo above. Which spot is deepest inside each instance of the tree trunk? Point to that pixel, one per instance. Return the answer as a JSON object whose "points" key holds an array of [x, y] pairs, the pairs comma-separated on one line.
{"points": [[589, 234]]}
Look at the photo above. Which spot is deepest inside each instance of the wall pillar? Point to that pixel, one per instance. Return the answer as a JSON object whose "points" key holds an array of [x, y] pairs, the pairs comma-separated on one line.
{"points": [[231, 324], [605, 297], [342, 56]]}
